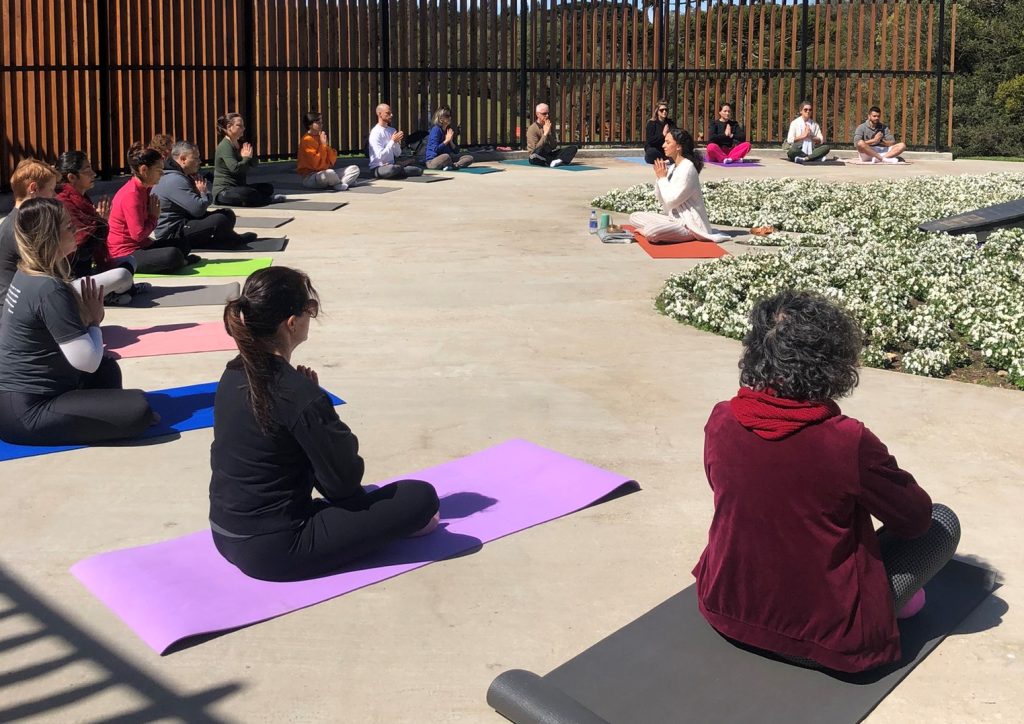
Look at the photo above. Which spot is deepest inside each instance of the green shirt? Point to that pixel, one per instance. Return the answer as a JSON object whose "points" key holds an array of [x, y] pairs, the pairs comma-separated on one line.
{"points": [[229, 168]]}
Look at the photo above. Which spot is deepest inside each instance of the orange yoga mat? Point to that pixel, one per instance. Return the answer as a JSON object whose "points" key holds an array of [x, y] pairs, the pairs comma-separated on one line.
{"points": [[679, 249]]}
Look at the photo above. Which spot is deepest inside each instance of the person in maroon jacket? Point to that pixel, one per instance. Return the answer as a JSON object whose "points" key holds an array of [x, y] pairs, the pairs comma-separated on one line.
{"points": [[793, 564]]}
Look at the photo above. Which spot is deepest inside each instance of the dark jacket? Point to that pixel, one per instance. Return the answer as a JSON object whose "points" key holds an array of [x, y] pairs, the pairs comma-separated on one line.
{"points": [[793, 564], [180, 201], [656, 134], [716, 133]]}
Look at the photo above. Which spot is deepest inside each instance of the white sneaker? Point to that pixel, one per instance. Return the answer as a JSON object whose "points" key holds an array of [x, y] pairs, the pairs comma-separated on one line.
{"points": [[727, 160], [892, 159], [279, 199], [800, 159], [340, 187], [448, 168], [875, 159], [557, 162]]}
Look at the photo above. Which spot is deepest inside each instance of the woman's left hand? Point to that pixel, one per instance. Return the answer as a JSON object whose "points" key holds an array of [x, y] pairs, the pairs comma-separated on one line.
{"points": [[103, 207], [92, 301], [309, 373], [661, 168]]}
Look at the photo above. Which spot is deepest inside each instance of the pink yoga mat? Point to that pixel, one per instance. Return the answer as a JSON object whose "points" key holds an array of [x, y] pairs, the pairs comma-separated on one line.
{"points": [[122, 342], [176, 589]]}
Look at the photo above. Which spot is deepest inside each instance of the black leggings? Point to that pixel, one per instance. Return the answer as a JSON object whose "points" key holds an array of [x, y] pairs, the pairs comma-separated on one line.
{"points": [[215, 230], [653, 154], [99, 411], [252, 195], [164, 255], [565, 154], [334, 534]]}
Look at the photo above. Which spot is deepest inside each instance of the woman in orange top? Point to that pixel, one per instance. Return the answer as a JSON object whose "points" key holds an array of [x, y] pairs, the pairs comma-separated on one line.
{"points": [[317, 158]]}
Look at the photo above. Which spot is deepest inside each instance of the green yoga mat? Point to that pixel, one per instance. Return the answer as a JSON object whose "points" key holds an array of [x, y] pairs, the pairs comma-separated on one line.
{"points": [[563, 167], [218, 268]]}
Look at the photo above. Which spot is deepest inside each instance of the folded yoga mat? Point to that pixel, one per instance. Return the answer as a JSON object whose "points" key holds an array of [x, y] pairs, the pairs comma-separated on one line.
{"points": [[563, 167], [262, 222], [678, 250], [165, 339], [181, 588], [218, 268], [190, 295], [262, 245], [367, 189], [310, 205], [671, 666]]}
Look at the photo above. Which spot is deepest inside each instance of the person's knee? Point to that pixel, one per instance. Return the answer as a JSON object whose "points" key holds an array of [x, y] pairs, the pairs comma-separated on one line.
{"points": [[862, 145], [419, 499], [138, 414], [945, 518]]}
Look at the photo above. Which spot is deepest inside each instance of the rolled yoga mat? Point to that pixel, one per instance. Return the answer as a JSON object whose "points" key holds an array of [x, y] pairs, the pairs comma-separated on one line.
{"points": [[260, 246], [679, 249], [670, 666], [262, 222], [176, 589], [310, 205], [190, 295], [181, 409], [564, 167], [217, 268], [166, 339]]}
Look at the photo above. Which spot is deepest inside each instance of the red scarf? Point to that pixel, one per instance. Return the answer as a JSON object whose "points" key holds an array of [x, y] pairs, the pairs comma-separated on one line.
{"points": [[772, 417]]}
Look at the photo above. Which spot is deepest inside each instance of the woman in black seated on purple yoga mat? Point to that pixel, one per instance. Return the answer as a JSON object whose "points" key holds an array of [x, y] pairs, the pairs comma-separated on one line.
{"points": [[276, 437]]}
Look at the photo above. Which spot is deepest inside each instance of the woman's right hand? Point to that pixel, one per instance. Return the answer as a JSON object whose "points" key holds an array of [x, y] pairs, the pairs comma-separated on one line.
{"points": [[309, 373], [661, 168], [246, 150], [92, 301], [103, 207]]}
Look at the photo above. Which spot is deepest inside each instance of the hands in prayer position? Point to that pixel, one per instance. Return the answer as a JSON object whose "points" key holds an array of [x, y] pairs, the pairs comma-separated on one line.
{"points": [[246, 150], [92, 301], [661, 168]]}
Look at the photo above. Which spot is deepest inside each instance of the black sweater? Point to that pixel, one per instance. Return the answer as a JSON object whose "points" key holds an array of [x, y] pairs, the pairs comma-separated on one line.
{"points": [[656, 133], [264, 483], [716, 134]]}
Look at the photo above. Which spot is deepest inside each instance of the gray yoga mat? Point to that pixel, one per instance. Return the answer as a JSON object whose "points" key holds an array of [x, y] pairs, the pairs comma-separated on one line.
{"points": [[366, 189], [423, 179], [670, 666], [261, 244], [189, 295], [310, 205], [1007, 215], [262, 222]]}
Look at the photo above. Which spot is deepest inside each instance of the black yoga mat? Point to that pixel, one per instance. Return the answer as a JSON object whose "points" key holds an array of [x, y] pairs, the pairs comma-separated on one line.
{"points": [[261, 244], [310, 205], [424, 179], [371, 189], [670, 666], [262, 222], [190, 295], [1007, 215]]}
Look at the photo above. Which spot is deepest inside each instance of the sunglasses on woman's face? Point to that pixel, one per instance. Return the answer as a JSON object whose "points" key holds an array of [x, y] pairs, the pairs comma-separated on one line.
{"points": [[663, 110]]}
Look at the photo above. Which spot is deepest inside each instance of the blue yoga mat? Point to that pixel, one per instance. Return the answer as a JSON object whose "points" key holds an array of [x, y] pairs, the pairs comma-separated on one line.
{"points": [[181, 409], [563, 167], [631, 159]]}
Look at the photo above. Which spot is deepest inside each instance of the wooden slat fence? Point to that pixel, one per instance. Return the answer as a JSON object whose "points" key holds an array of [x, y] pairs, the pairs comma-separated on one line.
{"points": [[98, 74]]}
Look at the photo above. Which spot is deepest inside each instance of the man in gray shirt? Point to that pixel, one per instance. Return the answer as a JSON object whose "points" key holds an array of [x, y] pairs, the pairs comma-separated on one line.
{"points": [[875, 142]]}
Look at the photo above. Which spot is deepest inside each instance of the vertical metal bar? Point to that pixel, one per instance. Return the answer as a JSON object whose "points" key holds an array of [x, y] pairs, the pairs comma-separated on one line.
{"points": [[939, 61], [524, 112], [385, 51], [249, 51], [106, 156], [804, 26]]}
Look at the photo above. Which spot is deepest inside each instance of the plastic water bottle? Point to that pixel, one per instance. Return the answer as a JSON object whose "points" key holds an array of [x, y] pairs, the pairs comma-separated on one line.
{"points": [[593, 221]]}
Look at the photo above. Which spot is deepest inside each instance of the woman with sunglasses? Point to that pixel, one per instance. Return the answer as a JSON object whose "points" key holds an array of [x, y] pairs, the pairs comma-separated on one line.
{"points": [[805, 142], [658, 127], [277, 437]]}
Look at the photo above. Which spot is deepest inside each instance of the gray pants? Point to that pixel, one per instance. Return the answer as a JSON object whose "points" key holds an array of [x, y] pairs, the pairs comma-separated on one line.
{"points": [[445, 159], [331, 177], [394, 170]]}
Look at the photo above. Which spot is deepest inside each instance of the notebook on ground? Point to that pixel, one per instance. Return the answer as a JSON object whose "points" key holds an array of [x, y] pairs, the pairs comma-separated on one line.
{"points": [[261, 222], [564, 167], [670, 666], [185, 338], [218, 268], [678, 250], [187, 295], [181, 409], [180, 588], [260, 246]]}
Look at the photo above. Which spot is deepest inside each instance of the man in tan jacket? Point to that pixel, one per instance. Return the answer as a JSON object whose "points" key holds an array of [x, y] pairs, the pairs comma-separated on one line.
{"points": [[542, 141]]}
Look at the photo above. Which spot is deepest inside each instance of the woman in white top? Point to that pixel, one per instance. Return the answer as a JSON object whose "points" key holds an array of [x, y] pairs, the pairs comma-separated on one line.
{"points": [[677, 187], [805, 141]]}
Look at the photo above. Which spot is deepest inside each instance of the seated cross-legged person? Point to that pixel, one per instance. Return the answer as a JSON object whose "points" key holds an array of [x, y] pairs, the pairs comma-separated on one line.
{"points": [[542, 141], [875, 142], [57, 387], [185, 219], [658, 125], [726, 138], [133, 217], [385, 147], [793, 565], [805, 140], [684, 217], [442, 153], [277, 438], [232, 162], [317, 158]]}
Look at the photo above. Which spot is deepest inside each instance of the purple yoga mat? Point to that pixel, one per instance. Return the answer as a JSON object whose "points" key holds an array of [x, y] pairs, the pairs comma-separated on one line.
{"points": [[734, 164], [176, 589]]}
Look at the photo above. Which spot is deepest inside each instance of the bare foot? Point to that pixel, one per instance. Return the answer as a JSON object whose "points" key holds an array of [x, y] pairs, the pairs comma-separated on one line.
{"points": [[429, 527]]}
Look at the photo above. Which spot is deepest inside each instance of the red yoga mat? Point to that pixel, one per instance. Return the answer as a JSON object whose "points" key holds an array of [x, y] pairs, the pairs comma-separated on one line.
{"points": [[678, 249], [122, 342]]}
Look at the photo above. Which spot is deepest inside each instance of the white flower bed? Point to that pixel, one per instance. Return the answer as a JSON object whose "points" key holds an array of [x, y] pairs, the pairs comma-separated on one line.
{"points": [[925, 301]]}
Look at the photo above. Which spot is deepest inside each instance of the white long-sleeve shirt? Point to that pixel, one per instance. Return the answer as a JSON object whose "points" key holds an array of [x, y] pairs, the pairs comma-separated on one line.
{"points": [[797, 129], [383, 150], [683, 201]]}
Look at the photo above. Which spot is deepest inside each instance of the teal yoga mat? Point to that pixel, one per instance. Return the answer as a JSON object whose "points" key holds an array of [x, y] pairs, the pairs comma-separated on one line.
{"points": [[218, 268], [563, 167]]}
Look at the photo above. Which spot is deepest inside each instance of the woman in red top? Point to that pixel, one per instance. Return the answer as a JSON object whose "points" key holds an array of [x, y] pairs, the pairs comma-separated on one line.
{"points": [[133, 216], [793, 564]]}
